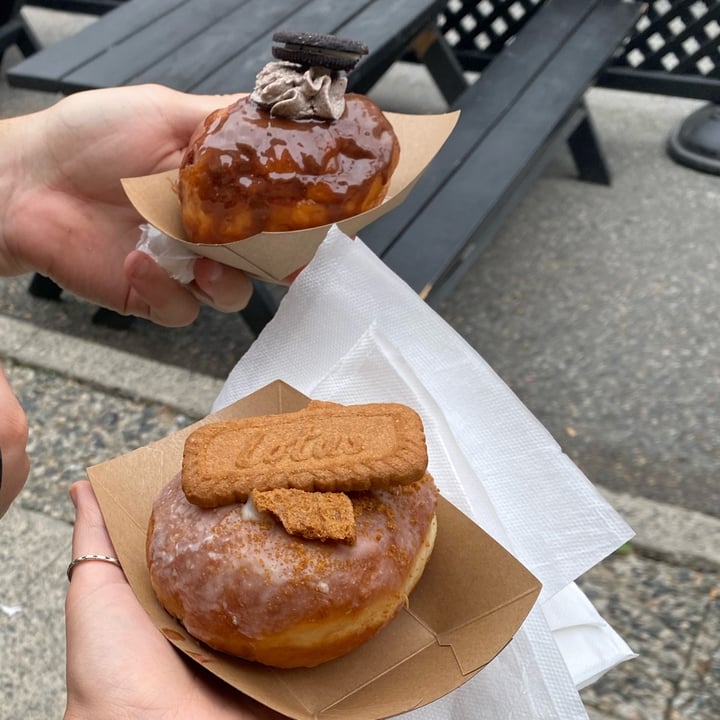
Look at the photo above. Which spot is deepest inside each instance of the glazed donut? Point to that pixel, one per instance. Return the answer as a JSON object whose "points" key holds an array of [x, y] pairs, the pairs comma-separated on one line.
{"points": [[241, 584], [247, 171]]}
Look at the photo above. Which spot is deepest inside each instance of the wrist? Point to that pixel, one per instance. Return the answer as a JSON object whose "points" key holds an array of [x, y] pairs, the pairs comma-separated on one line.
{"points": [[95, 711]]}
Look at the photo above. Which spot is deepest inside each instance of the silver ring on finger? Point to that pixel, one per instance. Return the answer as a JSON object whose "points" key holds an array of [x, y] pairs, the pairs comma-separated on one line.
{"points": [[84, 558]]}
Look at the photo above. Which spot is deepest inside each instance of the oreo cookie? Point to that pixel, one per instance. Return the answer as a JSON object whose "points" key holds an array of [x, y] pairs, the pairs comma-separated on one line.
{"points": [[312, 49]]}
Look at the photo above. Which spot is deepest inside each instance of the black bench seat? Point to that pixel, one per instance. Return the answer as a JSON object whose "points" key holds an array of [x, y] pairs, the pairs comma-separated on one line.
{"points": [[528, 101]]}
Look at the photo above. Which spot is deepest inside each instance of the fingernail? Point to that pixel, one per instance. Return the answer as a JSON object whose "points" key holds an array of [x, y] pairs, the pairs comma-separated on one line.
{"points": [[215, 273], [141, 267]]}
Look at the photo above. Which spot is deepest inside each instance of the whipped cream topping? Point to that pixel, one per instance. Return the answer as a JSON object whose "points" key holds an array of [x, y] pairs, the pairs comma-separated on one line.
{"points": [[250, 512], [288, 90]]}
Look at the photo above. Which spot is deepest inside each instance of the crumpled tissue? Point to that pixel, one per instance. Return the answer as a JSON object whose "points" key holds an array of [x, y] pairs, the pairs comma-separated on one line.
{"points": [[172, 256], [349, 330]]}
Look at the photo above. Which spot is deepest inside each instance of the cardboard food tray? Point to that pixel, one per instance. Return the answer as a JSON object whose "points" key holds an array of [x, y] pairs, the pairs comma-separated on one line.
{"points": [[469, 603], [274, 257]]}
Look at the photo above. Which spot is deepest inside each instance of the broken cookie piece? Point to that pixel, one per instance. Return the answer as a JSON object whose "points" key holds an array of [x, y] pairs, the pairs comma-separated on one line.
{"points": [[312, 515]]}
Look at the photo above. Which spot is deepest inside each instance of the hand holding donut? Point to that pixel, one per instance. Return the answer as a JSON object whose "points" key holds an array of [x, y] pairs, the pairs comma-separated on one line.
{"points": [[118, 664], [64, 213]]}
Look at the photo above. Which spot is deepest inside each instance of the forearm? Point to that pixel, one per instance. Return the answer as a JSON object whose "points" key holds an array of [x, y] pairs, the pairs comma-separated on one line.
{"points": [[8, 175]]}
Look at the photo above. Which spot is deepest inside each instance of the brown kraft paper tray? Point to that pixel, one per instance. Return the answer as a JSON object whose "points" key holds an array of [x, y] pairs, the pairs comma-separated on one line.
{"points": [[471, 600], [274, 257]]}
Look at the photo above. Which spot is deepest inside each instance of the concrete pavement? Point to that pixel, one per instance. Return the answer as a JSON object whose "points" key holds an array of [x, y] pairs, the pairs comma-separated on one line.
{"points": [[661, 595], [598, 306]]}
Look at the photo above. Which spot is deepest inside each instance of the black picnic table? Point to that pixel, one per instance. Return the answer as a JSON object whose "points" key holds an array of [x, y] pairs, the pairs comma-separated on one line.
{"points": [[219, 46]]}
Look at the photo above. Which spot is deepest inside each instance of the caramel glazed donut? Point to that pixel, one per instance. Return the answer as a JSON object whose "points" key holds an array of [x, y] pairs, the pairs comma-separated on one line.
{"points": [[247, 172], [240, 583]]}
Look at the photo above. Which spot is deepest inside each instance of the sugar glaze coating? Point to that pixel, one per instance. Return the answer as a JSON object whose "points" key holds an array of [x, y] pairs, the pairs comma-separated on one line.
{"points": [[240, 583]]}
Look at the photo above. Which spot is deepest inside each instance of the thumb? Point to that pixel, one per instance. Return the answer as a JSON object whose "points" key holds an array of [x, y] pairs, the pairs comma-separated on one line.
{"points": [[188, 110]]}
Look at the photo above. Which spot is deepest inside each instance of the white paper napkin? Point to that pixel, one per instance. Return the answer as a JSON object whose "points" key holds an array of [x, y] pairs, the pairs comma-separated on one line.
{"points": [[589, 646], [350, 330]]}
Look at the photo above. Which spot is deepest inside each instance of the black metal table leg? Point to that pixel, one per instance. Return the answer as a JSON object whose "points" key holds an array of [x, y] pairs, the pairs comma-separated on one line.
{"points": [[15, 31], [260, 310], [587, 152], [45, 288], [111, 319]]}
